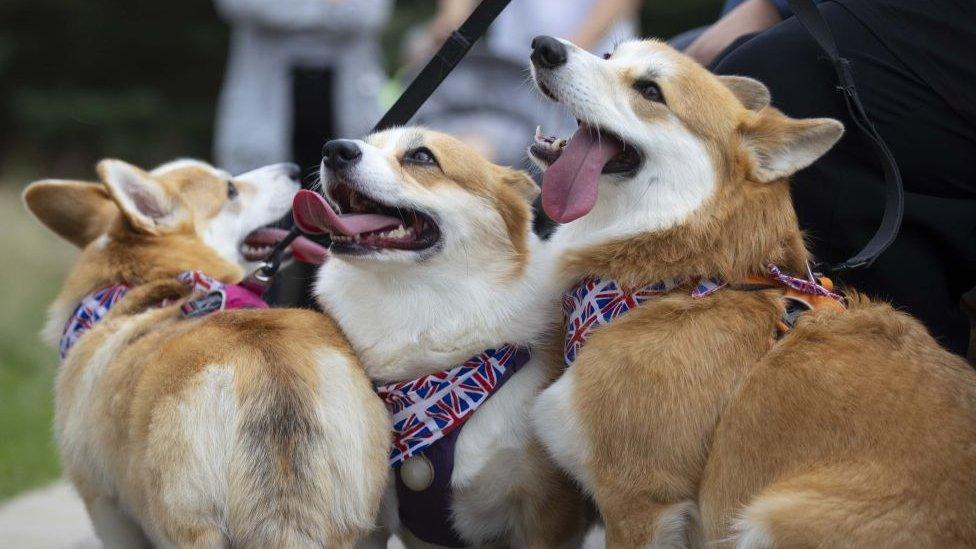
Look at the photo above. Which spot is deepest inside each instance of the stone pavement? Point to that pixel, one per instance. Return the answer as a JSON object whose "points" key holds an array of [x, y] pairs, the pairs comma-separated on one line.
{"points": [[54, 518]]}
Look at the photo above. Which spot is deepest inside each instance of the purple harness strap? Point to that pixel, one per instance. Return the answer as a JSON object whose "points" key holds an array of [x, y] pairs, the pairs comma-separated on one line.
{"points": [[427, 513]]}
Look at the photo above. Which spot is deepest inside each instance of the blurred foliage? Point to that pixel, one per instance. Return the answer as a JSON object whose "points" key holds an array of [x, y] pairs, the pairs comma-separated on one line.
{"points": [[138, 79], [27, 366]]}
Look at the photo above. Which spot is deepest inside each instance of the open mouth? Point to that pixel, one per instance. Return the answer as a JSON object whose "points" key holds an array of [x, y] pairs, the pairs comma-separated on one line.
{"points": [[361, 224], [548, 149], [257, 246], [574, 166]]}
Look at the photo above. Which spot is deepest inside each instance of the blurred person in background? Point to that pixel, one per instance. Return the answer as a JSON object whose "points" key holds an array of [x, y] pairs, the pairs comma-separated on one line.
{"points": [[300, 72], [914, 63]]}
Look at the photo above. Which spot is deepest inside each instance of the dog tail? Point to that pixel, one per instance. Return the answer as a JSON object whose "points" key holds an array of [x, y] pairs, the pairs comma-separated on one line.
{"points": [[300, 475]]}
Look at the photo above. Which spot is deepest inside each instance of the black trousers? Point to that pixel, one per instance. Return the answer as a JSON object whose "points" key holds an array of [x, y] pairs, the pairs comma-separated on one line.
{"points": [[313, 123], [840, 198]]}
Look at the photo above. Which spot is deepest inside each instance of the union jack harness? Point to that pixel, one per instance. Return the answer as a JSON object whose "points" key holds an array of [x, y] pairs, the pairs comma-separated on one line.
{"points": [[429, 408], [595, 302], [211, 296]]}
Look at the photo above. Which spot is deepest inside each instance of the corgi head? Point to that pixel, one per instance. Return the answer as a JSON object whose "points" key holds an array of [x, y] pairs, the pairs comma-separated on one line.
{"points": [[433, 256], [692, 163], [414, 196], [138, 225]]}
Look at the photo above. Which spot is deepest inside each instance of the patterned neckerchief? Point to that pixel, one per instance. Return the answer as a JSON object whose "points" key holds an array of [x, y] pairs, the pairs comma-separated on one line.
{"points": [[595, 302], [210, 295], [429, 408]]}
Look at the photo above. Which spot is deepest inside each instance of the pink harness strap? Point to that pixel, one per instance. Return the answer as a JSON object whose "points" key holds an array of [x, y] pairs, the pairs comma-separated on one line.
{"points": [[208, 295]]}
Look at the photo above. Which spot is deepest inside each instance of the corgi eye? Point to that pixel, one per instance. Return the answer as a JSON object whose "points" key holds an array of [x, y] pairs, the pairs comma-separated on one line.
{"points": [[421, 155], [231, 190], [608, 55], [649, 90]]}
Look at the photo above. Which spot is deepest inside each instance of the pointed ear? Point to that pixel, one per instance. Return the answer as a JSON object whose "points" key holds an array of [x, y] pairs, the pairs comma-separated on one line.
{"points": [[76, 211], [141, 198], [753, 94], [522, 183], [779, 146]]}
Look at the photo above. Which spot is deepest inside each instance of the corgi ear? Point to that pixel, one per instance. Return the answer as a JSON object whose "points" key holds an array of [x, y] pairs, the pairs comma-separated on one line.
{"points": [[76, 211], [779, 146], [141, 198], [753, 94], [522, 183]]}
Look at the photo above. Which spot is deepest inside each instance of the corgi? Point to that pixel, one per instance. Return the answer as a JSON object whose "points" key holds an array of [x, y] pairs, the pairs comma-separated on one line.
{"points": [[445, 295], [683, 410], [243, 428]]}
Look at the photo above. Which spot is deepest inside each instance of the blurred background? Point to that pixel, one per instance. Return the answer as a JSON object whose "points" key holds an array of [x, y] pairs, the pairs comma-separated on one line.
{"points": [[142, 81]]}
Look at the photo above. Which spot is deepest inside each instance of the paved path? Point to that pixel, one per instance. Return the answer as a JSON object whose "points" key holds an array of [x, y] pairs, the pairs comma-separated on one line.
{"points": [[54, 518], [51, 517]]}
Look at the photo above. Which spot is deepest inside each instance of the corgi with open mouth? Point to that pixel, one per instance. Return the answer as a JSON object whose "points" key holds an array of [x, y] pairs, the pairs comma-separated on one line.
{"points": [[180, 422], [696, 405], [447, 298]]}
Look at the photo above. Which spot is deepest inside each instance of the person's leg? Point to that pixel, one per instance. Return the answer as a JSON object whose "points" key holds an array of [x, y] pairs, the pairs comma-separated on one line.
{"points": [[313, 123], [840, 199]]}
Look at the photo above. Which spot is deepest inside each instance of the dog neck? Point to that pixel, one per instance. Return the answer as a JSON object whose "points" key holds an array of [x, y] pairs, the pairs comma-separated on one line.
{"points": [[735, 233], [414, 320], [123, 257]]}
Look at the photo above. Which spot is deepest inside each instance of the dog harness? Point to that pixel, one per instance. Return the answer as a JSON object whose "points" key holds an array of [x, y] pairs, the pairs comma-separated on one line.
{"points": [[213, 296], [428, 413], [595, 302]]}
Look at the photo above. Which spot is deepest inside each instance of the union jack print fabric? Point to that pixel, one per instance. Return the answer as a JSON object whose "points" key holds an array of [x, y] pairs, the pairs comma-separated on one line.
{"points": [[96, 305], [92, 308], [427, 409], [595, 302]]}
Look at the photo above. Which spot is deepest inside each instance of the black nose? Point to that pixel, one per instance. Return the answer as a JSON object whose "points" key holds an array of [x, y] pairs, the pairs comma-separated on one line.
{"points": [[341, 153], [547, 52]]}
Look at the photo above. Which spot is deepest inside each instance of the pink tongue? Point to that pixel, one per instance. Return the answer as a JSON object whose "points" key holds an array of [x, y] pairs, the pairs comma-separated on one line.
{"points": [[306, 251], [314, 215], [569, 186]]}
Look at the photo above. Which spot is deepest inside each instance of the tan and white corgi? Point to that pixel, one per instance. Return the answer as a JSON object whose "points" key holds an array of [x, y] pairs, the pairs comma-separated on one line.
{"points": [[687, 418], [446, 296], [246, 428]]}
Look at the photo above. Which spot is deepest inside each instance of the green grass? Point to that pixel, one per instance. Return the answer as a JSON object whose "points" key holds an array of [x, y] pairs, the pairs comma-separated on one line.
{"points": [[33, 263]]}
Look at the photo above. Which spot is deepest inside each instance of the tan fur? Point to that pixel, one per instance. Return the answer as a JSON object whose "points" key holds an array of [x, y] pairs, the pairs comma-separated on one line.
{"points": [[857, 429], [509, 191], [208, 432]]}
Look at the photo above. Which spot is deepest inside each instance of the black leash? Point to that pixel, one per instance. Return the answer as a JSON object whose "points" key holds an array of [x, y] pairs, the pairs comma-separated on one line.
{"points": [[451, 53], [420, 89], [810, 17]]}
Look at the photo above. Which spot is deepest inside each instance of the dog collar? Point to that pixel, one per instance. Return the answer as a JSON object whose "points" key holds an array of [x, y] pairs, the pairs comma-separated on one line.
{"points": [[211, 296], [595, 302], [428, 413]]}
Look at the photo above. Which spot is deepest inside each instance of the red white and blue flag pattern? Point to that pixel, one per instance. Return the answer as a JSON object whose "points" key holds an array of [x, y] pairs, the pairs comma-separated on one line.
{"points": [[95, 306], [427, 409], [595, 302], [92, 308]]}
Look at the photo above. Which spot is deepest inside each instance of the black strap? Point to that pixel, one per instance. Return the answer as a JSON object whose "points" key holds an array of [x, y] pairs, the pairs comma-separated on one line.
{"points": [[810, 17], [422, 87], [443, 62], [969, 305]]}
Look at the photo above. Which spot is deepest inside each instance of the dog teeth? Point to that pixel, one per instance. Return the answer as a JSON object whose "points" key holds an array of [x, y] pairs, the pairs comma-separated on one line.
{"points": [[248, 249], [399, 232], [552, 143]]}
